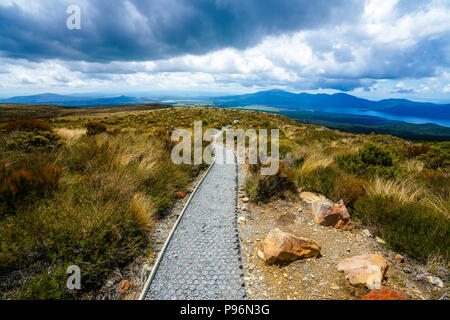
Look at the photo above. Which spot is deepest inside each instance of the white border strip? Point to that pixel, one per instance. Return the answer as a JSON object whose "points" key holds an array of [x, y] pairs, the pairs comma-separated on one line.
{"points": [[161, 253]]}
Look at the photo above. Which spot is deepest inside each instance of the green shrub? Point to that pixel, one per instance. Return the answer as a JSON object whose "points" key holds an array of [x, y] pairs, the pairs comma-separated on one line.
{"points": [[349, 189], [373, 155], [436, 181], [351, 163], [436, 158], [48, 285], [412, 227], [262, 188], [76, 226], [370, 161], [321, 180], [30, 141]]}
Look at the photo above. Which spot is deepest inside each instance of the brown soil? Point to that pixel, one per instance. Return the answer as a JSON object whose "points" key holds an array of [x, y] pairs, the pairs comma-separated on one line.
{"points": [[314, 278]]}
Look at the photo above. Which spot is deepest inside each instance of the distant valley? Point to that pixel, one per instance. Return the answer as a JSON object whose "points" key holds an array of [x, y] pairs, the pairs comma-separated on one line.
{"points": [[400, 117]]}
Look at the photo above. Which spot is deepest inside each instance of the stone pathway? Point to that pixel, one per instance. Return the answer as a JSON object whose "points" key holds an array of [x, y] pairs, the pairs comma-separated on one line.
{"points": [[203, 259]]}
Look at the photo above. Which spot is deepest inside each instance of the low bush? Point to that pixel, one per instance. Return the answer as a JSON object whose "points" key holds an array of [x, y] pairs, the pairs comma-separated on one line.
{"points": [[16, 185], [413, 151], [261, 188], [370, 161], [95, 127], [31, 141], [321, 180], [436, 158], [410, 226], [373, 155], [349, 189], [26, 125]]}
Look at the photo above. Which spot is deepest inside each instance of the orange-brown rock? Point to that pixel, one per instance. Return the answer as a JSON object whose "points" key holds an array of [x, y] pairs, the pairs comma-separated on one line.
{"points": [[125, 285], [181, 194], [328, 213], [281, 246], [367, 270], [385, 293]]}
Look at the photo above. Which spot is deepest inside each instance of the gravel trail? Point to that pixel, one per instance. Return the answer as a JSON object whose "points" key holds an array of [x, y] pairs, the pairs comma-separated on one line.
{"points": [[203, 259]]}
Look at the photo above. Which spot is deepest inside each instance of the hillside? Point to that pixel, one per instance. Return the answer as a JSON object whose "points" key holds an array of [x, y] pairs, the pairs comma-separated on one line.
{"points": [[96, 190], [73, 101], [302, 101]]}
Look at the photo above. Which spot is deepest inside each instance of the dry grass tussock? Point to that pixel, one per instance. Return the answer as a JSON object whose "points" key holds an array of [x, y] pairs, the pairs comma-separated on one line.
{"points": [[315, 161], [70, 135], [407, 191], [404, 191]]}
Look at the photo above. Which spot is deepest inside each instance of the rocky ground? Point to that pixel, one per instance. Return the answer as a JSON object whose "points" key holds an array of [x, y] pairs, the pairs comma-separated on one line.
{"points": [[318, 278]]}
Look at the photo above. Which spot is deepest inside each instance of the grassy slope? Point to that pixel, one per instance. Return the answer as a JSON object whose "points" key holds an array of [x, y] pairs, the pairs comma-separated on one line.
{"points": [[9, 112], [99, 213], [363, 124]]}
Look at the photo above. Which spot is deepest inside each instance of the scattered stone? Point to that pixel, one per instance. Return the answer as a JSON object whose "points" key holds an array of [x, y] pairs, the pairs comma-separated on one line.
{"points": [[241, 219], [367, 270], [327, 213], [385, 293], [181, 194], [399, 258], [300, 209], [282, 246], [335, 287], [261, 254], [407, 270], [245, 199], [435, 281], [367, 233], [379, 240]]}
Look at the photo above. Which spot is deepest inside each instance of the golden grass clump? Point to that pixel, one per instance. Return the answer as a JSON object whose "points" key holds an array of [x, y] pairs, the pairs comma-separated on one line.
{"points": [[70, 135], [404, 191], [316, 160], [143, 210]]}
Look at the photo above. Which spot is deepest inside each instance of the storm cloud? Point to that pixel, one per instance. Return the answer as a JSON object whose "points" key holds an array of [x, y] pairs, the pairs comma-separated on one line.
{"points": [[147, 30], [378, 48]]}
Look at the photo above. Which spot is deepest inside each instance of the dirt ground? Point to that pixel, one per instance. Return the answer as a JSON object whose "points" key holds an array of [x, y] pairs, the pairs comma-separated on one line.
{"points": [[317, 278]]}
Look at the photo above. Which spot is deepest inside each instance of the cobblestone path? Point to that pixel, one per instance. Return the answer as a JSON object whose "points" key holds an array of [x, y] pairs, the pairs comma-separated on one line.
{"points": [[203, 260]]}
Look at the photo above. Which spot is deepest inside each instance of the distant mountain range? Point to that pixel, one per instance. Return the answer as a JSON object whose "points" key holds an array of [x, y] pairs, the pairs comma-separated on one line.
{"points": [[74, 101], [273, 98], [320, 102]]}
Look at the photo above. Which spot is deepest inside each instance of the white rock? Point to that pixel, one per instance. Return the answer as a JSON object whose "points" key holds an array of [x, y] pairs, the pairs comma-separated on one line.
{"points": [[241, 219], [260, 254], [435, 281], [367, 233], [379, 240]]}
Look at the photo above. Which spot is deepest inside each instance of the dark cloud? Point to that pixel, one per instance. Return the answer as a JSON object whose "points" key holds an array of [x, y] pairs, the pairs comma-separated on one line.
{"points": [[147, 30], [341, 84], [404, 91]]}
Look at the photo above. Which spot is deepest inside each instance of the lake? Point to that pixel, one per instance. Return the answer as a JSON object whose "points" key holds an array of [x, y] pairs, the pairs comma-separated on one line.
{"points": [[416, 120]]}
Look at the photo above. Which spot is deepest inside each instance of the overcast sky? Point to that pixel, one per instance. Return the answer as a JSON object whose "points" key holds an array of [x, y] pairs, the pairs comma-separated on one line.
{"points": [[374, 48]]}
